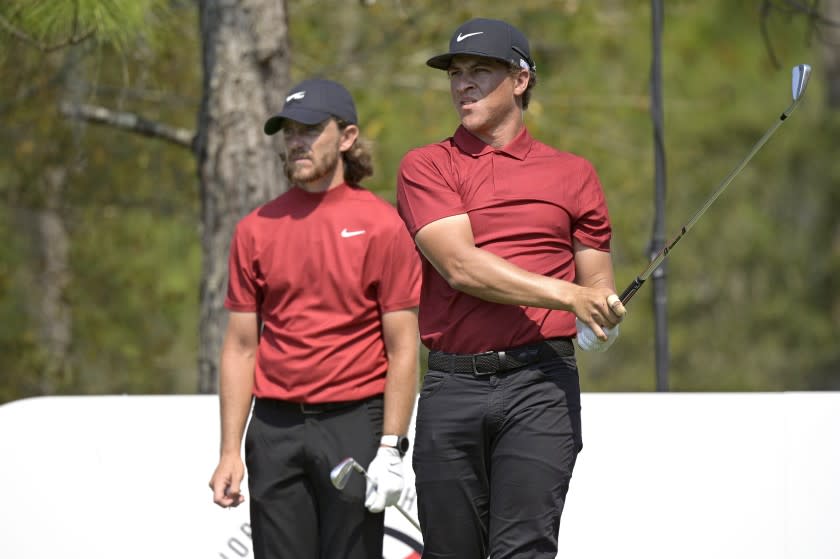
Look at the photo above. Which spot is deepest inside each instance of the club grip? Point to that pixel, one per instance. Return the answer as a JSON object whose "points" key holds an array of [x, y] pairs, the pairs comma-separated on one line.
{"points": [[631, 290]]}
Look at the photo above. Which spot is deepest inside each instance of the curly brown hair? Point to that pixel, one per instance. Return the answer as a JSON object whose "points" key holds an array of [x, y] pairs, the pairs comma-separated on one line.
{"points": [[358, 160]]}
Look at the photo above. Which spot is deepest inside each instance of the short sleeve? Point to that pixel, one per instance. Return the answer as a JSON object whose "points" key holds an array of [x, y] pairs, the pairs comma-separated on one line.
{"points": [[399, 281], [592, 222], [243, 289], [425, 188]]}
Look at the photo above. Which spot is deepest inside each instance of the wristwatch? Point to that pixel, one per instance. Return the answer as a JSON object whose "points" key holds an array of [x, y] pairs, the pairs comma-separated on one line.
{"points": [[395, 441]]}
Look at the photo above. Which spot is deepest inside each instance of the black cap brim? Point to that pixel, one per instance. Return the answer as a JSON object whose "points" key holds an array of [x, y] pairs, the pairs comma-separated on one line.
{"points": [[297, 114], [443, 61]]}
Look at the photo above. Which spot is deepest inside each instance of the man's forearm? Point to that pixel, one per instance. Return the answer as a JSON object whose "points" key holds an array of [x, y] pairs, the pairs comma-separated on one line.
{"points": [[401, 345], [593, 268], [449, 245], [486, 276], [400, 393], [235, 390]]}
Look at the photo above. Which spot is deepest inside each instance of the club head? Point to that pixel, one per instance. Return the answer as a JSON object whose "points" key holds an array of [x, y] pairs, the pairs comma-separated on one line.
{"points": [[341, 473], [801, 74]]}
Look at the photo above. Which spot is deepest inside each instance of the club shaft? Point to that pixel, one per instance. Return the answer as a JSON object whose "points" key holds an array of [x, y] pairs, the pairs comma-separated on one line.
{"points": [[637, 283], [358, 467]]}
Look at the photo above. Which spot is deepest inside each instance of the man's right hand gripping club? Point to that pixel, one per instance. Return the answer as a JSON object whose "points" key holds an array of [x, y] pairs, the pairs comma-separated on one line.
{"points": [[384, 479], [587, 340]]}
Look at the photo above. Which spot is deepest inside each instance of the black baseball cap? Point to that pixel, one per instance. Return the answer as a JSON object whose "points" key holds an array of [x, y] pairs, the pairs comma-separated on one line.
{"points": [[312, 102], [492, 38]]}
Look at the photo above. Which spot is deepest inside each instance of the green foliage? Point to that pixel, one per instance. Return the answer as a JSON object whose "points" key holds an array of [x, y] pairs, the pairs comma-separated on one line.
{"points": [[137, 330], [130, 208], [116, 23], [751, 297]]}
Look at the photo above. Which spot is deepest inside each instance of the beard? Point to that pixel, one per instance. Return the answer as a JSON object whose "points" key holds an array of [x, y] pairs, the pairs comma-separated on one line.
{"points": [[316, 169]]}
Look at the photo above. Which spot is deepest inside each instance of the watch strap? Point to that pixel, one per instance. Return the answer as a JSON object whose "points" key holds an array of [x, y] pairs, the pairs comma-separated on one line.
{"points": [[390, 440], [395, 441]]}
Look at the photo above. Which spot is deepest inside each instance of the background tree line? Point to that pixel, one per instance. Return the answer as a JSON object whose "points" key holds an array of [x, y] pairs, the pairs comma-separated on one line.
{"points": [[132, 143]]}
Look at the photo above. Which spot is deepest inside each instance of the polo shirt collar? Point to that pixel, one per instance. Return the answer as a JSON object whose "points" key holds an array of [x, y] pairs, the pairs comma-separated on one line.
{"points": [[517, 148]]}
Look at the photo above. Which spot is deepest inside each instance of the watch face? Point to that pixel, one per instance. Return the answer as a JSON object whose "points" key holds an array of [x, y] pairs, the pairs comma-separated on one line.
{"points": [[396, 441], [402, 444]]}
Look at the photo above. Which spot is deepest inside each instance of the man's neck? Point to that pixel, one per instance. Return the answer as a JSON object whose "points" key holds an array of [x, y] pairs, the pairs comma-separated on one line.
{"points": [[324, 183], [501, 135]]}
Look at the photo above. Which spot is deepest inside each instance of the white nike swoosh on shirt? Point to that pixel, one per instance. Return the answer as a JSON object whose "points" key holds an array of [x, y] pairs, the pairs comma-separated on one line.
{"points": [[345, 234], [460, 37]]}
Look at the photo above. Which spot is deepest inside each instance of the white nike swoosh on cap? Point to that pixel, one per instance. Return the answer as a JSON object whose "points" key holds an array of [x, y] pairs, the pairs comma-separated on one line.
{"points": [[298, 95], [345, 234], [460, 37]]}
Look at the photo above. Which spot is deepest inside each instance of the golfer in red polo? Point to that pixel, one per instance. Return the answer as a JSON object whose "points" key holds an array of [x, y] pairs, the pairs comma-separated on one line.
{"points": [[516, 243], [322, 335]]}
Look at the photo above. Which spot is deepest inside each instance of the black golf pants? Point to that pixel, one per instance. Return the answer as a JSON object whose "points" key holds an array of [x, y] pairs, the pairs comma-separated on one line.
{"points": [[296, 513], [493, 458]]}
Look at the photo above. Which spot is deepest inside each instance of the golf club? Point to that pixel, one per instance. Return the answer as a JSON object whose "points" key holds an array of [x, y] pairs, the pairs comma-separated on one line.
{"points": [[801, 73], [340, 474]]}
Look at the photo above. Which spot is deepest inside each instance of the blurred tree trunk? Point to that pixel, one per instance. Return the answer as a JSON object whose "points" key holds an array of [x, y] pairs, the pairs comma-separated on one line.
{"points": [[245, 58], [52, 274], [831, 52], [53, 315]]}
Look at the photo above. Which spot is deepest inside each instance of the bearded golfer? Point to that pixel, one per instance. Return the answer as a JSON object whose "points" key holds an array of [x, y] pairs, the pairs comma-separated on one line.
{"points": [[322, 333]]}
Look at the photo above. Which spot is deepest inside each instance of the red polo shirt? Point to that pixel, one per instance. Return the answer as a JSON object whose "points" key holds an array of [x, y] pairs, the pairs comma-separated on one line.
{"points": [[526, 202], [320, 269]]}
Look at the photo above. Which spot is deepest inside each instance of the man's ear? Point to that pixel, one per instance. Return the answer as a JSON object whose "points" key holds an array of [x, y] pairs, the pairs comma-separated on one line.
{"points": [[348, 137], [521, 81]]}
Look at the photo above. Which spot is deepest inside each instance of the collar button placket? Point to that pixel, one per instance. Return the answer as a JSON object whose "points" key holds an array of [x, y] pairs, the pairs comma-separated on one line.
{"points": [[493, 157]]}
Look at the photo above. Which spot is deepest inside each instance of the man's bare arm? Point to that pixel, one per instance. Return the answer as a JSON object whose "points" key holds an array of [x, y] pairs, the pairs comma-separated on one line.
{"points": [[236, 377], [593, 268], [401, 345], [449, 245], [236, 383]]}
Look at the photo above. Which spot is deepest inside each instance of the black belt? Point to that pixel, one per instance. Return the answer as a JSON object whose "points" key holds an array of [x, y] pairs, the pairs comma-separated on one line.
{"points": [[491, 362], [305, 407]]}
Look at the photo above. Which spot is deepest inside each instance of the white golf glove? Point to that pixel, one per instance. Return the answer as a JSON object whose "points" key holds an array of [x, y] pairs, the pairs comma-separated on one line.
{"points": [[588, 341], [385, 479]]}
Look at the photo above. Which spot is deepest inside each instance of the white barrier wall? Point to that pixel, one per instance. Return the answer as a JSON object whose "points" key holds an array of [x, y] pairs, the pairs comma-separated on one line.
{"points": [[661, 476]]}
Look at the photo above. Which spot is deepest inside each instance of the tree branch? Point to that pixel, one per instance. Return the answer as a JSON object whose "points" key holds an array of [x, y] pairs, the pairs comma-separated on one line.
{"points": [[24, 37], [128, 121]]}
